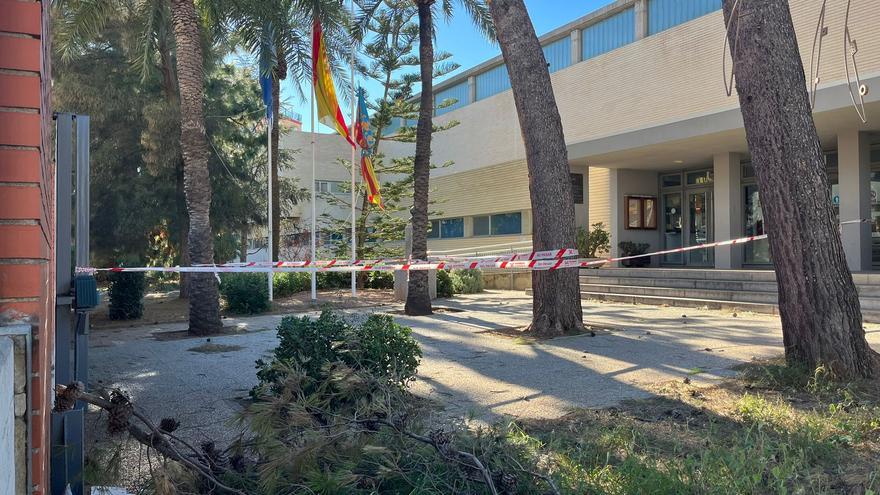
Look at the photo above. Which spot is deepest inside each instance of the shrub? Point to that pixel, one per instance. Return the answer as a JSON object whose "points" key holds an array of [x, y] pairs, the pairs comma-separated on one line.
{"points": [[379, 347], [444, 284], [379, 280], [126, 295], [245, 293], [628, 248], [286, 284], [334, 280], [595, 242], [466, 281]]}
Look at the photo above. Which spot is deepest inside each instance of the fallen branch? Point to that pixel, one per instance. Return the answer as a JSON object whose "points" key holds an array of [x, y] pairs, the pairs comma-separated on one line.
{"points": [[153, 437]]}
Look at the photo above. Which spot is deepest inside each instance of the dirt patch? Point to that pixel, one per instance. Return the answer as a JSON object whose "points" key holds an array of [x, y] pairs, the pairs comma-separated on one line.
{"points": [[162, 308], [184, 334], [435, 309], [212, 348]]}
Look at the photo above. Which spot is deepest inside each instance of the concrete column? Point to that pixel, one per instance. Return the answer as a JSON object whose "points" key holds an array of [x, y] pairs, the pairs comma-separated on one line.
{"points": [[615, 207], [641, 11], [575, 46], [854, 173], [728, 206], [472, 89]]}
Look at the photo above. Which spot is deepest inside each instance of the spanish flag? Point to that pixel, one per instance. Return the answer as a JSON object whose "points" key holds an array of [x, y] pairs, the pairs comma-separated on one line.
{"points": [[365, 140], [329, 112]]}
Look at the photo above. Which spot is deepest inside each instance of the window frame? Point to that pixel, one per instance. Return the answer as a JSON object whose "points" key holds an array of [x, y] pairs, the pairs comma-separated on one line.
{"points": [[645, 222]]}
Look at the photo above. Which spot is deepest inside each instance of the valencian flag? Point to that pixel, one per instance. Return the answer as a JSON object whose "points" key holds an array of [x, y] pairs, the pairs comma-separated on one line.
{"points": [[365, 140], [329, 112]]}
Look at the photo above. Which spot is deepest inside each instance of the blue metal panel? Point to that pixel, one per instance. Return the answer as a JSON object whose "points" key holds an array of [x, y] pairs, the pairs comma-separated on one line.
{"points": [[608, 34], [664, 14], [493, 81], [558, 54], [458, 92]]}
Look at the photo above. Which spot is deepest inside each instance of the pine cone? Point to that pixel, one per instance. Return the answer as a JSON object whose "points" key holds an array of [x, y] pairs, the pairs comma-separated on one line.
{"points": [[119, 415], [508, 483], [169, 425]]}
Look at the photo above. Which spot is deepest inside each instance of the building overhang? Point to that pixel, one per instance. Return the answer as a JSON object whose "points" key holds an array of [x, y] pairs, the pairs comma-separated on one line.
{"points": [[694, 140]]}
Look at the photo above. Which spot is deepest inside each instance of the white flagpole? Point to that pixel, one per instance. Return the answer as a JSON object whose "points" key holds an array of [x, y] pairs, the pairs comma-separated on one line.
{"points": [[269, 165], [314, 182], [353, 165]]}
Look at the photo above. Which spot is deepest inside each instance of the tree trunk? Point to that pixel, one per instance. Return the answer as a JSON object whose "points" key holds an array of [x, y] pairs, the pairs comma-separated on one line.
{"points": [[183, 220], [243, 245], [418, 299], [556, 300], [280, 75], [818, 302], [204, 302]]}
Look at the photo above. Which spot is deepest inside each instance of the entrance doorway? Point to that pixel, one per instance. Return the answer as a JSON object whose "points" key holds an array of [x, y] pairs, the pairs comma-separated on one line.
{"points": [[688, 217]]}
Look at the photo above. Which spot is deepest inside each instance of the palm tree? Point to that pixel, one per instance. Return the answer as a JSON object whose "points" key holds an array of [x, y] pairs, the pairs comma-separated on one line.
{"points": [[556, 303], [278, 34], [204, 306], [418, 299]]}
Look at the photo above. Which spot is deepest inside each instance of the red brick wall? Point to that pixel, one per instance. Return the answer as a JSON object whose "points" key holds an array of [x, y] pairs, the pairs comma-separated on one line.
{"points": [[27, 198]]}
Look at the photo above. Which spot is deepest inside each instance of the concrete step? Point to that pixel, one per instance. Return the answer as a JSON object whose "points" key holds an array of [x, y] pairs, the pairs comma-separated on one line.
{"points": [[681, 283], [683, 302], [686, 273], [679, 293]]}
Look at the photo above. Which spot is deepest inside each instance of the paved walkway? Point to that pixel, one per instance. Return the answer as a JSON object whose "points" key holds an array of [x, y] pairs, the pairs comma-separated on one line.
{"points": [[466, 367]]}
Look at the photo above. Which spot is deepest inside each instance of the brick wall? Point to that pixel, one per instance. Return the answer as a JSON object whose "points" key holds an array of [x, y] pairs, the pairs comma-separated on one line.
{"points": [[27, 188]]}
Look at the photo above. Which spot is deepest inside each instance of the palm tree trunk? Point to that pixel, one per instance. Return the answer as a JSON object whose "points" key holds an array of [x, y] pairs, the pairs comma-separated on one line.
{"points": [[418, 299], [556, 303], [204, 303], [280, 75], [818, 302]]}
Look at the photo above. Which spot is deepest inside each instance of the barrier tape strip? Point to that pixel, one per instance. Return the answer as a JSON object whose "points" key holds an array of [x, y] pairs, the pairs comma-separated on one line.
{"points": [[534, 255], [534, 261]]}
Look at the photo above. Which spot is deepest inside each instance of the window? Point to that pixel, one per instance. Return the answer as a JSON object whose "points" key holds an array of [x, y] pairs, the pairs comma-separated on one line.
{"points": [[577, 188], [501, 224], [446, 229], [558, 54], [454, 96], [332, 186], [493, 81], [434, 229], [664, 14], [671, 180], [641, 212], [608, 34], [700, 178], [507, 223], [451, 227], [481, 226]]}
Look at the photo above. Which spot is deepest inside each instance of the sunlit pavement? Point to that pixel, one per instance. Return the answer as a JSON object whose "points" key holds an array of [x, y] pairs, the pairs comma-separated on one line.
{"points": [[466, 367]]}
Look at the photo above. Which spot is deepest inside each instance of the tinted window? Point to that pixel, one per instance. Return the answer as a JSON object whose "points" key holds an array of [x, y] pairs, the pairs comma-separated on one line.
{"points": [[507, 223], [451, 227], [481, 226], [577, 188]]}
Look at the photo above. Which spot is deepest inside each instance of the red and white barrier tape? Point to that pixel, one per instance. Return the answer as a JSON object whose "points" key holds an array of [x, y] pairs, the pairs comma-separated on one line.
{"points": [[539, 260]]}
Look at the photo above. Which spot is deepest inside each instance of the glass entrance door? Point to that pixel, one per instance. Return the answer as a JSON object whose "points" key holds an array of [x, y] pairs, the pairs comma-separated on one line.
{"points": [[700, 228], [672, 227]]}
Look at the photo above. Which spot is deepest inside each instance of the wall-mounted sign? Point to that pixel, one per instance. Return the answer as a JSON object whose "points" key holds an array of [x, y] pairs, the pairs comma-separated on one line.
{"points": [[641, 212]]}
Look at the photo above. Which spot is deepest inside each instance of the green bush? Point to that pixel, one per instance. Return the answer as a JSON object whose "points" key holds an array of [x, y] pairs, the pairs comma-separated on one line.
{"points": [[379, 280], [595, 242], [286, 284], [334, 280], [444, 284], [126, 295], [245, 293], [466, 281], [379, 347]]}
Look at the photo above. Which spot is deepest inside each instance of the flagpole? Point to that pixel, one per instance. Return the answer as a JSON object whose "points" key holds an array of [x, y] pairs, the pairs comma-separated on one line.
{"points": [[352, 126], [269, 165], [314, 276]]}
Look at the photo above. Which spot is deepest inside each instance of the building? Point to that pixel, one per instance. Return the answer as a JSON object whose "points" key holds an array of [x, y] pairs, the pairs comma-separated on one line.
{"points": [[27, 247], [657, 143]]}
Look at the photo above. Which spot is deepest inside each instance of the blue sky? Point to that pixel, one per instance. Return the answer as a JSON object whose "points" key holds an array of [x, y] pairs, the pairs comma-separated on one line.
{"points": [[467, 46]]}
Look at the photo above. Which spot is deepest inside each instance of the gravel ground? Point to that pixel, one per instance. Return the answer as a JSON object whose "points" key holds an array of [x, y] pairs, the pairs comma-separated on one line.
{"points": [[468, 366]]}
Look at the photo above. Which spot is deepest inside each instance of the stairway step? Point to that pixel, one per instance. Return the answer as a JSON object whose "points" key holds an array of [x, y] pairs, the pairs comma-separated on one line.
{"points": [[681, 283], [688, 273], [735, 296], [684, 302]]}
